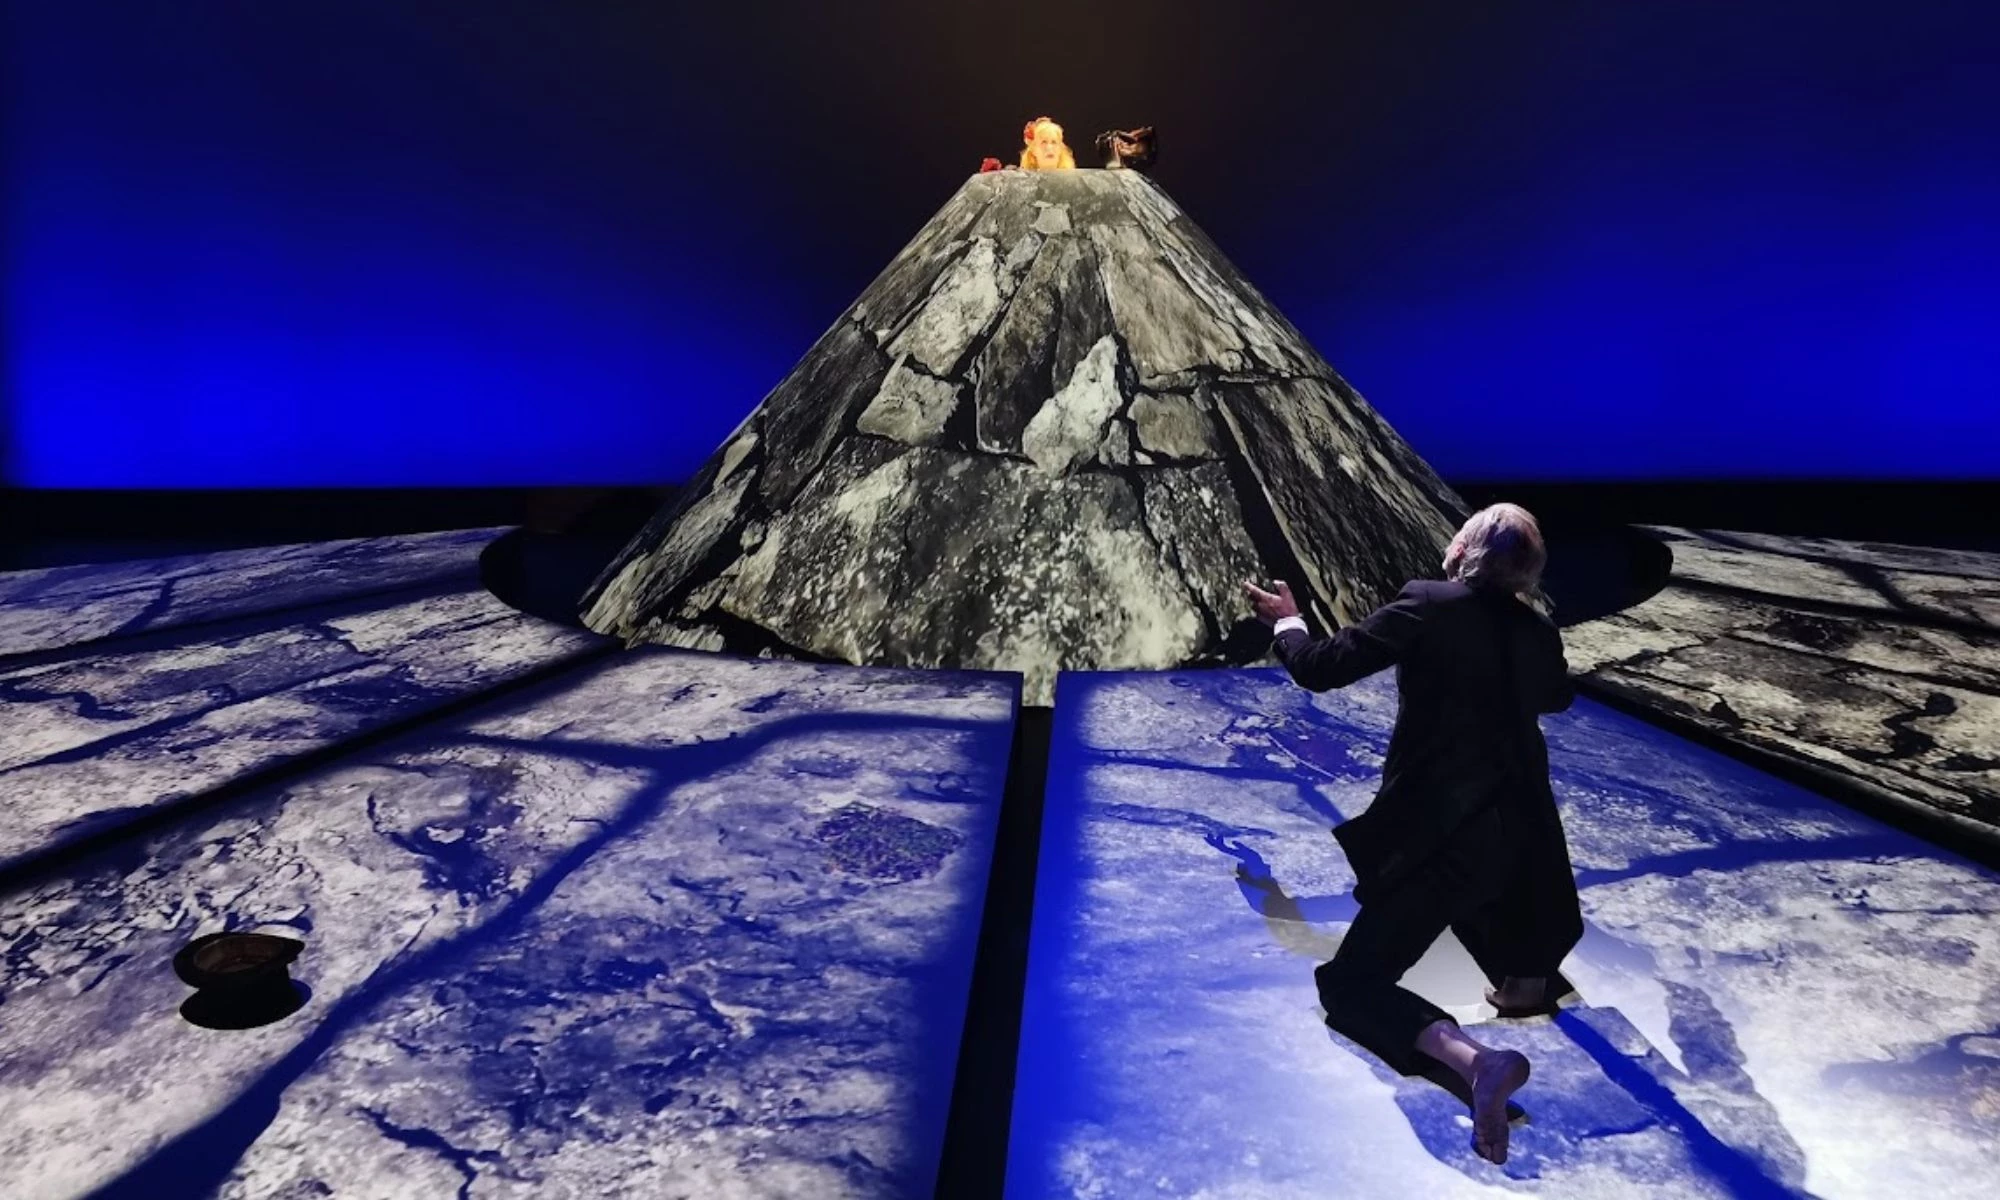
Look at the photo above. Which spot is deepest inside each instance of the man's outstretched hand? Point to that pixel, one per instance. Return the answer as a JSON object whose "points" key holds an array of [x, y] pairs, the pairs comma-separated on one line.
{"points": [[1271, 607]]}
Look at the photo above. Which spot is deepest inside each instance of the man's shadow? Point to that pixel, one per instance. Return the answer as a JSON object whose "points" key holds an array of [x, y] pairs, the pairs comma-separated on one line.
{"points": [[1448, 974], [1597, 1077]]}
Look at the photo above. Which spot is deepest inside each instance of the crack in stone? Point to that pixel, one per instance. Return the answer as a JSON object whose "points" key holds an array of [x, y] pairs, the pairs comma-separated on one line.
{"points": [[1722, 537], [429, 1139], [156, 608], [1850, 671], [1207, 375], [105, 745], [233, 625], [85, 704], [1269, 531], [1881, 778], [1906, 744], [1922, 618], [1212, 636]]}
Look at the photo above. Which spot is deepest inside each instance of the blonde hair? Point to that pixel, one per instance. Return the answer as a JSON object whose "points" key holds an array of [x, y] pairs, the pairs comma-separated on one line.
{"points": [[1068, 162], [1499, 547]]}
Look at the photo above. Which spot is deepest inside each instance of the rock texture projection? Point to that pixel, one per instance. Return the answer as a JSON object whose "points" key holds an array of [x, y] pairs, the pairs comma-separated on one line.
{"points": [[1053, 435], [1873, 667]]}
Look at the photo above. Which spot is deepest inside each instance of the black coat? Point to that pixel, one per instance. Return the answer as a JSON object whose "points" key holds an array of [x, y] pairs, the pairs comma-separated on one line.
{"points": [[1474, 668]]}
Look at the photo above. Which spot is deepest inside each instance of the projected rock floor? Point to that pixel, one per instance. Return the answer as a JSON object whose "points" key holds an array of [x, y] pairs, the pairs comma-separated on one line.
{"points": [[1776, 997], [671, 927], [580, 921], [1878, 666], [57, 607], [122, 728], [661, 924]]}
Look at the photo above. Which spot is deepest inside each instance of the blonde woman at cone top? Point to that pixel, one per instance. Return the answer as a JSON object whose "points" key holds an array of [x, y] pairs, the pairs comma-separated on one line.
{"points": [[1043, 148]]}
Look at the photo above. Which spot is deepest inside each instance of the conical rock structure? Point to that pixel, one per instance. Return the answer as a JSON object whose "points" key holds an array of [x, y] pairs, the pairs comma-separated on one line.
{"points": [[1053, 435]]}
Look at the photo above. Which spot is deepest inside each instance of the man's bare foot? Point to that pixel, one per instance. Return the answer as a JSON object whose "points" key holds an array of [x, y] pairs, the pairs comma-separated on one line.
{"points": [[1496, 1075]]}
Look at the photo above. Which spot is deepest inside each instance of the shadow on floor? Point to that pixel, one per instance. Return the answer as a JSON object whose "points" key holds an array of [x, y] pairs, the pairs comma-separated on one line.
{"points": [[544, 567], [1594, 573]]}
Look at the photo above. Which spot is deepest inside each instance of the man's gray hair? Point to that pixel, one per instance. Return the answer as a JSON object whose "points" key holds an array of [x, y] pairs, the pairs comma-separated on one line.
{"points": [[1499, 547]]}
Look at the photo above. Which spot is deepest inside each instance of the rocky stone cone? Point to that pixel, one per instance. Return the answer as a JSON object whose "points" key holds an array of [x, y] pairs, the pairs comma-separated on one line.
{"points": [[1053, 435]]}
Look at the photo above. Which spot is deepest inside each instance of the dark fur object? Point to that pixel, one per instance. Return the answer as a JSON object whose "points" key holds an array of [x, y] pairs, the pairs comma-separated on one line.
{"points": [[1134, 148]]}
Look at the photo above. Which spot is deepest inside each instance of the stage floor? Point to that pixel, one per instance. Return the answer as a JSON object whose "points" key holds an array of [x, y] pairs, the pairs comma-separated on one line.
{"points": [[651, 923], [587, 921], [1776, 996]]}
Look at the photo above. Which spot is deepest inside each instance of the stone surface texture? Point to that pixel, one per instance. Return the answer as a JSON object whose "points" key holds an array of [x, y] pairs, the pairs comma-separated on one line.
{"points": [[668, 925], [1053, 434], [102, 736], [1775, 996], [48, 609], [1877, 664]]}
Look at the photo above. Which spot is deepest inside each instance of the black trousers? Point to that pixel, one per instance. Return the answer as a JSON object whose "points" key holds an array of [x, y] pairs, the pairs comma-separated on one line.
{"points": [[1503, 886]]}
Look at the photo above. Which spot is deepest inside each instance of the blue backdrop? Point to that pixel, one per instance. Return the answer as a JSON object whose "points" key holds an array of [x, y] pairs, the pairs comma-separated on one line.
{"points": [[309, 243]]}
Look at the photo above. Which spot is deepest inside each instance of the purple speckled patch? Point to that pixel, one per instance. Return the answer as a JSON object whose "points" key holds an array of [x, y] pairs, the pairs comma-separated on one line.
{"points": [[865, 840]]}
